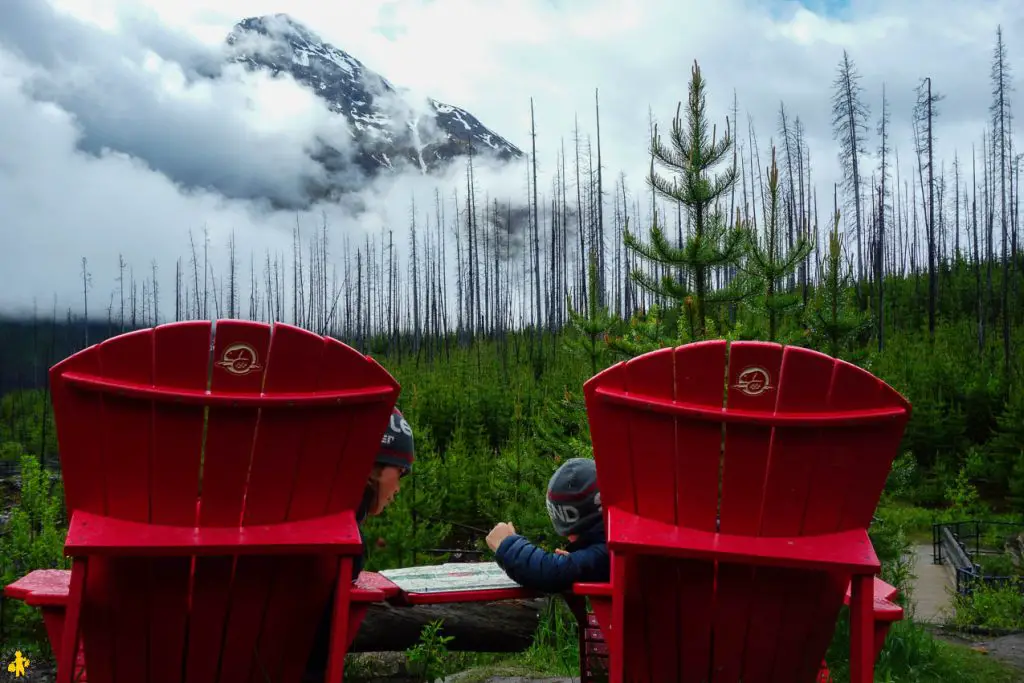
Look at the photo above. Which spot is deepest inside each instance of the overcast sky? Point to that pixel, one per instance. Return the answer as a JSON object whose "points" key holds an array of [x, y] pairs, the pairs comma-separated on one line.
{"points": [[111, 143]]}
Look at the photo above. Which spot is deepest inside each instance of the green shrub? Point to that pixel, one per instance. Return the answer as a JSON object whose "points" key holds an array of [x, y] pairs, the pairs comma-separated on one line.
{"points": [[998, 607], [32, 539]]}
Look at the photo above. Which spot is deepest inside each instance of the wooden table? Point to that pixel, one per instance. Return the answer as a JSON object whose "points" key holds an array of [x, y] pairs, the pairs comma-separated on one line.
{"points": [[488, 619]]}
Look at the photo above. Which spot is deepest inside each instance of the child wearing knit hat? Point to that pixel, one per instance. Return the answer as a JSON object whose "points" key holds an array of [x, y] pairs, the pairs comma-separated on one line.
{"points": [[574, 506], [393, 461]]}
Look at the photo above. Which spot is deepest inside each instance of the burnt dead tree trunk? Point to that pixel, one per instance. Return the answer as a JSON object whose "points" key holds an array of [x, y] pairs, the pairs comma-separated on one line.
{"points": [[883, 192], [602, 293], [538, 315], [581, 276], [86, 284], [415, 282], [924, 117], [790, 192], [1001, 116], [849, 125]]}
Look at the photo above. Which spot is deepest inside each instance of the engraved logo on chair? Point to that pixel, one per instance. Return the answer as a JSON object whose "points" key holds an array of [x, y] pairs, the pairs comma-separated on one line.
{"points": [[753, 381], [240, 359]]}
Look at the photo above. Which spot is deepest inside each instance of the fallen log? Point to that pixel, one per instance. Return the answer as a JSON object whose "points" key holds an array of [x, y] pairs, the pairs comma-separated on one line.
{"points": [[500, 626]]}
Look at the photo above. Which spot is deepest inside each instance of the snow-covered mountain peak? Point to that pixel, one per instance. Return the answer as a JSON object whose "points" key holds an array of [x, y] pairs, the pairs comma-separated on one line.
{"points": [[388, 123]]}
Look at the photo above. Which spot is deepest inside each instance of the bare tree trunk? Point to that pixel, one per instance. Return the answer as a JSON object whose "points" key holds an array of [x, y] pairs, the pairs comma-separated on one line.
{"points": [[602, 295], [536, 228]]}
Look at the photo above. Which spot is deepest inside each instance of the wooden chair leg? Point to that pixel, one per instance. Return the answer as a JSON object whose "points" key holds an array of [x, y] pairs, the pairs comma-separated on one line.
{"points": [[578, 606], [862, 630], [617, 642], [593, 655], [340, 623], [68, 654]]}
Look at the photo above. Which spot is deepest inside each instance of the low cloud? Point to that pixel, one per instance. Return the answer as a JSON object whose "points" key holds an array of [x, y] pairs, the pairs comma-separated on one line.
{"points": [[119, 144], [243, 134], [121, 138]]}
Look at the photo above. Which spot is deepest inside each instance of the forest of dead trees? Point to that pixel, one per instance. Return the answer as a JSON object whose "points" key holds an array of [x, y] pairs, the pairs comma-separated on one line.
{"points": [[479, 266]]}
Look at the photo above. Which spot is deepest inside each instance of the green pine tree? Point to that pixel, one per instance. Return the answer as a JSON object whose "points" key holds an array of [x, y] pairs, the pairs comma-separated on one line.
{"points": [[712, 243], [834, 321], [766, 267], [647, 331], [1004, 452], [592, 328]]}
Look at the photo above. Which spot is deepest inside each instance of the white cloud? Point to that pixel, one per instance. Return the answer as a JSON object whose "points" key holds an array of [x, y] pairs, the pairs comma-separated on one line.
{"points": [[124, 86]]}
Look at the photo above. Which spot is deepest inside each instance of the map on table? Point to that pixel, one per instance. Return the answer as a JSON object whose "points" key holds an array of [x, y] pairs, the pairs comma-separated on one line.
{"points": [[450, 577]]}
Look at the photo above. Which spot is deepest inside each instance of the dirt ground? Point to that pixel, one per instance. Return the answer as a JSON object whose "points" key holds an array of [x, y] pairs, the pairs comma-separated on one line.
{"points": [[1009, 649]]}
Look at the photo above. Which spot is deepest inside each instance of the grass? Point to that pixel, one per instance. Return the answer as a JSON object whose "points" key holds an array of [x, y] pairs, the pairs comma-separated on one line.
{"points": [[554, 651], [913, 654], [942, 662], [917, 522]]}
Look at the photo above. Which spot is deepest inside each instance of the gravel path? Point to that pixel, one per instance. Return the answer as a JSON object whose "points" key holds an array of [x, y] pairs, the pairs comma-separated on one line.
{"points": [[1009, 649]]}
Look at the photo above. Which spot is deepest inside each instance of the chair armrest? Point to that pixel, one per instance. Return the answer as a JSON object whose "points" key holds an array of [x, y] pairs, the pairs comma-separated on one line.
{"points": [[50, 588], [363, 594], [41, 588], [483, 595], [883, 590], [848, 550], [885, 608], [91, 534], [374, 582], [593, 590]]}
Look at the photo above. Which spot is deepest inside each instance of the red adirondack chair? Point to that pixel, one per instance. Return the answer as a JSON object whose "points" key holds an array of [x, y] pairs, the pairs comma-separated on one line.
{"points": [[211, 502], [738, 484]]}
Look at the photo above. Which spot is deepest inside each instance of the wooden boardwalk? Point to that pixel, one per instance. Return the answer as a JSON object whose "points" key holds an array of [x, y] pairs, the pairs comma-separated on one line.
{"points": [[932, 586]]}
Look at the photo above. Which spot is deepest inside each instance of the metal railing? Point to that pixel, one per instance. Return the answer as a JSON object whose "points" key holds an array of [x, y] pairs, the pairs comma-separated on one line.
{"points": [[960, 544]]}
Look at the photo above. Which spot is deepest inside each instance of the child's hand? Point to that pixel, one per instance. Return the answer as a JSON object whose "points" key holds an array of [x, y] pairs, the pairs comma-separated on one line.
{"points": [[499, 533], [561, 551]]}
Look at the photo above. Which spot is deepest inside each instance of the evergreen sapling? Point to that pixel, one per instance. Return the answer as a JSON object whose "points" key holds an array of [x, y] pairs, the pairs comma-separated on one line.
{"points": [[834, 321], [712, 243], [766, 266]]}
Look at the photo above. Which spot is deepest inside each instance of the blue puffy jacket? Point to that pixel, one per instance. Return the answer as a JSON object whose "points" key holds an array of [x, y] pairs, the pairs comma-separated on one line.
{"points": [[532, 567]]}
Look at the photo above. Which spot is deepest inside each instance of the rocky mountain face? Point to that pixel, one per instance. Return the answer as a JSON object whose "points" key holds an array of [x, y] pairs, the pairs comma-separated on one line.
{"points": [[389, 126]]}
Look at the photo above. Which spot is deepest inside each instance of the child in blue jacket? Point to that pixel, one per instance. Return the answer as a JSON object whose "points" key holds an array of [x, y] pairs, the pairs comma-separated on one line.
{"points": [[574, 505]]}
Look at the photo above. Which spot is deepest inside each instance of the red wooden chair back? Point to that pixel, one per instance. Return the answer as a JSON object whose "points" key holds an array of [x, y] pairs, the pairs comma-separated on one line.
{"points": [[745, 440], [189, 424]]}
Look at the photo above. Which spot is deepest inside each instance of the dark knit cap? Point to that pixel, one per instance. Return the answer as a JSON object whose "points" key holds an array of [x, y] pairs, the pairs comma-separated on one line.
{"points": [[396, 445], [574, 502]]}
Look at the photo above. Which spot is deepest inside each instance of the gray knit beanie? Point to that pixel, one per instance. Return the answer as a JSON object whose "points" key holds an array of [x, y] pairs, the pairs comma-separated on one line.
{"points": [[396, 444], [573, 500]]}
